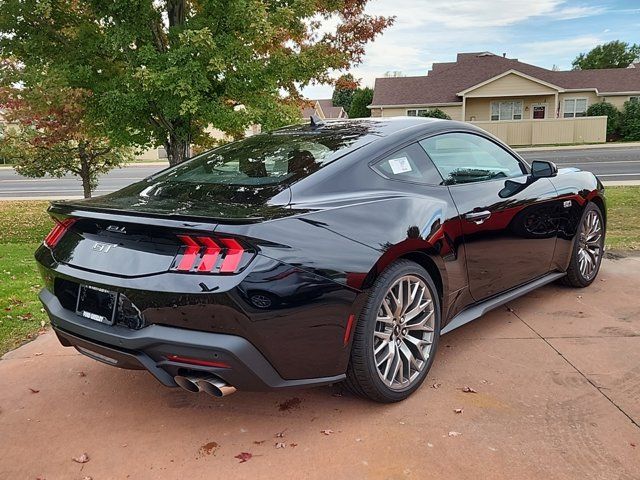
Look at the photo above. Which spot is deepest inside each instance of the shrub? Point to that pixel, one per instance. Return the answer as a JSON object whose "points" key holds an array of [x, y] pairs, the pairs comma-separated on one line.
{"points": [[630, 121], [361, 99], [435, 113], [612, 114]]}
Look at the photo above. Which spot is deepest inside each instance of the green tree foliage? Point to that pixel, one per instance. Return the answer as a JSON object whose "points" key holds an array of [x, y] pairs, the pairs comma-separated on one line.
{"points": [[50, 135], [614, 54], [362, 98], [161, 71], [630, 121], [611, 112], [435, 113], [343, 92]]}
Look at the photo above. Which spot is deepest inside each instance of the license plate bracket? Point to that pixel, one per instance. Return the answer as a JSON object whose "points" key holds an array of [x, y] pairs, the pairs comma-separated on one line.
{"points": [[97, 304]]}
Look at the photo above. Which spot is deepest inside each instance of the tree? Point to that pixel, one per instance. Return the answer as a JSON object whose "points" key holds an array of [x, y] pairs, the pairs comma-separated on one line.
{"points": [[630, 121], [393, 74], [611, 112], [161, 71], [362, 98], [435, 113], [343, 92], [614, 54], [50, 134]]}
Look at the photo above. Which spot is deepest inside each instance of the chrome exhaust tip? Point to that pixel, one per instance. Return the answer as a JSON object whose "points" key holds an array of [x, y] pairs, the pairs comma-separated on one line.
{"points": [[215, 387], [210, 384], [187, 383]]}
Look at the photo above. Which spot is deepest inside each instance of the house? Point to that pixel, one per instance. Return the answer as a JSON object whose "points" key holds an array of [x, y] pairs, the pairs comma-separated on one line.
{"points": [[521, 103], [324, 109]]}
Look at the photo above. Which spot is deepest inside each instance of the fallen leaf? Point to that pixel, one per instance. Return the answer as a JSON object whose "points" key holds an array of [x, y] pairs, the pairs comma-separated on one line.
{"points": [[243, 457], [87, 478], [280, 434], [37, 354], [280, 445], [84, 458], [33, 390], [258, 442], [326, 432], [468, 389], [454, 434], [208, 448], [82, 374], [293, 445], [458, 410], [436, 385]]}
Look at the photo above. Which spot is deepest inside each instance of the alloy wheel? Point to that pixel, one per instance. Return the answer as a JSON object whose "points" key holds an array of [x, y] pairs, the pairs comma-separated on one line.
{"points": [[590, 245], [403, 334]]}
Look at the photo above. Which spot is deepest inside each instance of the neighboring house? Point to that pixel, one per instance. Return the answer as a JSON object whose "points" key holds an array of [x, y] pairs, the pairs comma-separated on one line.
{"points": [[485, 88], [159, 153], [324, 109]]}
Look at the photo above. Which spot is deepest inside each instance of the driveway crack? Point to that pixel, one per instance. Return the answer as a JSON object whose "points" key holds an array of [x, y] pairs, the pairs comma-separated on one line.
{"points": [[593, 384]]}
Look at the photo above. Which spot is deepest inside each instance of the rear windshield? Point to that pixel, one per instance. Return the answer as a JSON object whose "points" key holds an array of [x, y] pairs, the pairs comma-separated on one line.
{"points": [[264, 159]]}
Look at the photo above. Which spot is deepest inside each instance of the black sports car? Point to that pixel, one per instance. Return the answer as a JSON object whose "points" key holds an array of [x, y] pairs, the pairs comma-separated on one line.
{"points": [[315, 254]]}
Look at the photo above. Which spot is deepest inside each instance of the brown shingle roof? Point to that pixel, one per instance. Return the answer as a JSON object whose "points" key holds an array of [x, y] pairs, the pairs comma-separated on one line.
{"points": [[445, 80], [328, 110]]}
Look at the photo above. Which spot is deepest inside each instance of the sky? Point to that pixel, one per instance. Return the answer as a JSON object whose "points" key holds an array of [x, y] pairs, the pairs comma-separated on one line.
{"points": [[542, 32]]}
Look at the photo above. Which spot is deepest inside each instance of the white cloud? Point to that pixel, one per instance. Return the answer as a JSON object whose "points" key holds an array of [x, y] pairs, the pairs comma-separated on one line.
{"points": [[427, 31]]}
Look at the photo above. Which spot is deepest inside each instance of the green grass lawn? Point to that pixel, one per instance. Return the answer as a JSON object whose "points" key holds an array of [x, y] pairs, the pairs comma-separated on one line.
{"points": [[25, 224]]}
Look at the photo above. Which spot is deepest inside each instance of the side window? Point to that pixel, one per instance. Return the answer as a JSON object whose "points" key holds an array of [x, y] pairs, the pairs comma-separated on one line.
{"points": [[465, 158], [409, 164]]}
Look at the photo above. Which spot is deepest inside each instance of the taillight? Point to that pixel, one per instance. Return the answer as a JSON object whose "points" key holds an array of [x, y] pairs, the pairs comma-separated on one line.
{"points": [[206, 254], [58, 231]]}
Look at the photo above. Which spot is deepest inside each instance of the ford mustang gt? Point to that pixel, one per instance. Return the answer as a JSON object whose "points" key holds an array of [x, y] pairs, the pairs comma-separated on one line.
{"points": [[315, 254]]}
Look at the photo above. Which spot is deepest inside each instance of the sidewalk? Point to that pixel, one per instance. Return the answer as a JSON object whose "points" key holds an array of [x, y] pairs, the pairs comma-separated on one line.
{"points": [[590, 146]]}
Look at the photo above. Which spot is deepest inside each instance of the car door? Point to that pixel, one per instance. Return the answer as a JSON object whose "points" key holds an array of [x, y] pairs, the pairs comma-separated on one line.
{"points": [[506, 215]]}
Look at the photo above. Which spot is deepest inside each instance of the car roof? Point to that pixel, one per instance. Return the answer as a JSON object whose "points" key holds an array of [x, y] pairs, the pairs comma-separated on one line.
{"points": [[380, 126]]}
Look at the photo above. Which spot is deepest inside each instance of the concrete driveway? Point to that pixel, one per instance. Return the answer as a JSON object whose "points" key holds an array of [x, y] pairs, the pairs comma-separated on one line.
{"points": [[557, 380]]}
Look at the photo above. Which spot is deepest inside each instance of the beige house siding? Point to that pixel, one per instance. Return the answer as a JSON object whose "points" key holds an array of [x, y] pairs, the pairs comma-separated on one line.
{"points": [[591, 97], [548, 132], [510, 85], [480, 108], [618, 100], [454, 111]]}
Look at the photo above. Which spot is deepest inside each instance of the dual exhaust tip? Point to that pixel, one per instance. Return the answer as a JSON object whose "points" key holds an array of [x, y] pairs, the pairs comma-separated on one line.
{"points": [[210, 384]]}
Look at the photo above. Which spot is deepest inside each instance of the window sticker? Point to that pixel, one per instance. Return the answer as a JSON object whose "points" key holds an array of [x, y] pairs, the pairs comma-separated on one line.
{"points": [[400, 165]]}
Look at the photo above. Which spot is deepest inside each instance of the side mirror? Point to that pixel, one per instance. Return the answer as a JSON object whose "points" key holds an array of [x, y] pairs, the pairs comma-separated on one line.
{"points": [[542, 168]]}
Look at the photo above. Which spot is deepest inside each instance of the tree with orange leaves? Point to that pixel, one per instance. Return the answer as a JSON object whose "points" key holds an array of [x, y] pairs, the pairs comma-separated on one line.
{"points": [[49, 134], [161, 71]]}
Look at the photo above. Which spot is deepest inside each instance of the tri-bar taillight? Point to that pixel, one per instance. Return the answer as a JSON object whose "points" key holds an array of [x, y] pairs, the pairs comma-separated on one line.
{"points": [[57, 232], [203, 254]]}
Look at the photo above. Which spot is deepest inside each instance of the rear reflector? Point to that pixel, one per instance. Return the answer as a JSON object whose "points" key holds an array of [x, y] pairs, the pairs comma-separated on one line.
{"points": [[203, 254], [197, 361], [58, 231]]}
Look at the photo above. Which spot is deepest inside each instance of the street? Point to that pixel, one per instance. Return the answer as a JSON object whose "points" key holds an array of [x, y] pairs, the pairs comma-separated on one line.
{"points": [[610, 164]]}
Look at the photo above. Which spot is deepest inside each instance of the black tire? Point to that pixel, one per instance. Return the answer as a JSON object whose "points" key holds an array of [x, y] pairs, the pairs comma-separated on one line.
{"points": [[362, 374], [575, 278]]}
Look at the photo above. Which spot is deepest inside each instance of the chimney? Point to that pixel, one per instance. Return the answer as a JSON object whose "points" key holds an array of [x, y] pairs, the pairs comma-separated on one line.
{"points": [[504, 55]]}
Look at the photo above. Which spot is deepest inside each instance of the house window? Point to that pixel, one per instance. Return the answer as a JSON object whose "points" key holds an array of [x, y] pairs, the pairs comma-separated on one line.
{"points": [[575, 107], [634, 99], [511, 110], [416, 112]]}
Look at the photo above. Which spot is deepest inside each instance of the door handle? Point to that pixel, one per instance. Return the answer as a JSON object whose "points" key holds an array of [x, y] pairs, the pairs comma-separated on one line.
{"points": [[478, 217]]}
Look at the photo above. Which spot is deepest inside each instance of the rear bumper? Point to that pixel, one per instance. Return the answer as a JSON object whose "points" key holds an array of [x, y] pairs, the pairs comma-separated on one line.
{"points": [[149, 347]]}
